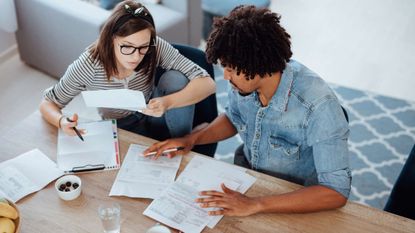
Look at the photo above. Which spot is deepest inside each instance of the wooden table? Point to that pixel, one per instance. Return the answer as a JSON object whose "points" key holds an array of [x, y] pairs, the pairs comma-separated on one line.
{"points": [[44, 212]]}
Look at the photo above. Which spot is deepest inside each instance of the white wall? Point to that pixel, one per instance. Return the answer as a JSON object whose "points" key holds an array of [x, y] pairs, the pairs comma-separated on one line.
{"points": [[7, 40]]}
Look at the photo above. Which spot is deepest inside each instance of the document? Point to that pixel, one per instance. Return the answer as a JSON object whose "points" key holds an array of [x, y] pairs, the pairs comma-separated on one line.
{"points": [[25, 174], [176, 207], [120, 99], [234, 177], [98, 151], [143, 177]]}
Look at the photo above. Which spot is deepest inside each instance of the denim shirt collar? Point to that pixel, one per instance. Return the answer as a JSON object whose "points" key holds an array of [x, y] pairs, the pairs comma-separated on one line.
{"points": [[280, 98]]}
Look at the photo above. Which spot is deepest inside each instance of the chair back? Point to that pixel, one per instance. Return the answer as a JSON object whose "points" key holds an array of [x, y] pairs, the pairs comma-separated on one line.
{"points": [[401, 201]]}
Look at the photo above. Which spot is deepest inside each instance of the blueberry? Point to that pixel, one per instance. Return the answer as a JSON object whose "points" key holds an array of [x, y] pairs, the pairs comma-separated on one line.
{"points": [[68, 184], [62, 187], [67, 190], [75, 185]]}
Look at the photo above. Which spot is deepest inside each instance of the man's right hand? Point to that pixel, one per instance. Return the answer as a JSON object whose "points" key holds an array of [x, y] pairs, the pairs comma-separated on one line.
{"points": [[185, 142]]}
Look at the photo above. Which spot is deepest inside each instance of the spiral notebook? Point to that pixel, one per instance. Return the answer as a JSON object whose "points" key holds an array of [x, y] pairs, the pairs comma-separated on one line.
{"points": [[98, 151]]}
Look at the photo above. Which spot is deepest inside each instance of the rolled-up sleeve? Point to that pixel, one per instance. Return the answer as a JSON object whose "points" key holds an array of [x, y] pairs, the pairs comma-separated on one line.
{"points": [[73, 82], [327, 133]]}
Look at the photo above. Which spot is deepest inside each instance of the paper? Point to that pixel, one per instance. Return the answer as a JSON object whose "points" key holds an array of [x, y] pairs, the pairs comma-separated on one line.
{"points": [[99, 150], [234, 177], [26, 174], [143, 177], [176, 207], [120, 99]]}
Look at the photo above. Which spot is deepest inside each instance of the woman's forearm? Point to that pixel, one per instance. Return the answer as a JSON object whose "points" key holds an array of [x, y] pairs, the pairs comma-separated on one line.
{"points": [[195, 91], [50, 112]]}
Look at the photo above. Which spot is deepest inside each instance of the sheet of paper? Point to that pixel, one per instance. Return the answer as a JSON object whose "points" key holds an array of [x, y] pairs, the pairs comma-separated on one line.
{"points": [[27, 173], [119, 99], [100, 147], [177, 201], [176, 208], [143, 177], [224, 173]]}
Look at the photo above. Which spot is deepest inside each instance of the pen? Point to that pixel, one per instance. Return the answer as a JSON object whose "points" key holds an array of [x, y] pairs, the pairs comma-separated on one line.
{"points": [[75, 129], [165, 151]]}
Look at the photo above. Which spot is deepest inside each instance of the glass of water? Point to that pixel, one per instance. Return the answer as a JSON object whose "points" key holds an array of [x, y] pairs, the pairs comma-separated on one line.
{"points": [[109, 213]]}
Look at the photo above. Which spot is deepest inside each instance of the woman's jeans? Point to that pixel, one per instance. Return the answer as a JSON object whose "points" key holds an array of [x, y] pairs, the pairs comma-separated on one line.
{"points": [[175, 122]]}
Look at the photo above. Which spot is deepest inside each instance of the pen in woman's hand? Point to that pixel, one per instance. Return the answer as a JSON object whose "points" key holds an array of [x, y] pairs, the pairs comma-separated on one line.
{"points": [[75, 129]]}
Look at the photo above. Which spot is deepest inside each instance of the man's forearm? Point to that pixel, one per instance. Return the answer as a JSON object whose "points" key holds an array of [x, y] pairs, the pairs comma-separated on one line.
{"points": [[221, 128], [305, 200]]}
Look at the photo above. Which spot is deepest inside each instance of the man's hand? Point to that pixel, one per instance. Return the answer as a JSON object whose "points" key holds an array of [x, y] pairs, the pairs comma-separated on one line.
{"points": [[156, 107], [232, 203], [159, 147]]}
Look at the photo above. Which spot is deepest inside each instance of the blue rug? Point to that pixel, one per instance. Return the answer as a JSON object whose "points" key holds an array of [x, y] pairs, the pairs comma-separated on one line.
{"points": [[382, 133]]}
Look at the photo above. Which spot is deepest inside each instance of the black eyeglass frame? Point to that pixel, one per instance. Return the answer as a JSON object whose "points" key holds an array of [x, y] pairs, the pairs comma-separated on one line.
{"points": [[147, 47]]}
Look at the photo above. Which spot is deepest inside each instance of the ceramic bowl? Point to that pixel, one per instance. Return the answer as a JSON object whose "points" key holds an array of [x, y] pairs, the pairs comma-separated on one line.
{"points": [[68, 187]]}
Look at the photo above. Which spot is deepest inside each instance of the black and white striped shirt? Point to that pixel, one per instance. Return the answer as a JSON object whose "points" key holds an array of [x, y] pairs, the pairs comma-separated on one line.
{"points": [[87, 74]]}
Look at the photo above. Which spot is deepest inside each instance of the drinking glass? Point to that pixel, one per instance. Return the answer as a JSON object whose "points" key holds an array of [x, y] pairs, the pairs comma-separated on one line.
{"points": [[109, 213]]}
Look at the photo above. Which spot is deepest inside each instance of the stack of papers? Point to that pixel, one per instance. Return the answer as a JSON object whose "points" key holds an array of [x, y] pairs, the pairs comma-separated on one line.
{"points": [[143, 177], [120, 99], [176, 206], [26, 174]]}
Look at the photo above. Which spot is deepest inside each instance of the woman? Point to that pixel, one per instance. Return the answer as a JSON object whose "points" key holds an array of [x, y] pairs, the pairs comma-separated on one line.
{"points": [[126, 55]]}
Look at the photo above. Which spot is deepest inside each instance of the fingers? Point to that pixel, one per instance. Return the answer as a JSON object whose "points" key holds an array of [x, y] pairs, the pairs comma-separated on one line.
{"points": [[153, 112], [212, 193], [154, 148], [226, 189], [214, 204], [155, 107], [75, 117], [207, 199], [218, 212]]}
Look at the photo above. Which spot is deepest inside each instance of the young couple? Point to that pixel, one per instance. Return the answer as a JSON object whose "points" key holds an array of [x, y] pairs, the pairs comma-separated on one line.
{"points": [[290, 121]]}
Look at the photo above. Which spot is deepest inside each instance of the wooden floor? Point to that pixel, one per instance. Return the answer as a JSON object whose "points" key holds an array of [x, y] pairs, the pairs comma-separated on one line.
{"points": [[366, 45]]}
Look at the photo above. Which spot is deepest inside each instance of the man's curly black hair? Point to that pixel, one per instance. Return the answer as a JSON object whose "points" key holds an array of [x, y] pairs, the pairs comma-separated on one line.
{"points": [[250, 40]]}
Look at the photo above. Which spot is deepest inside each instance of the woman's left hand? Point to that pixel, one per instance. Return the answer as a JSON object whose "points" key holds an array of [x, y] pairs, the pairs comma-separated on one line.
{"points": [[156, 107]]}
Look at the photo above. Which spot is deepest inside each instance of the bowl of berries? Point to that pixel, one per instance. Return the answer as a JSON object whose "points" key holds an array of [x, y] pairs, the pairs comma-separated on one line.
{"points": [[68, 187]]}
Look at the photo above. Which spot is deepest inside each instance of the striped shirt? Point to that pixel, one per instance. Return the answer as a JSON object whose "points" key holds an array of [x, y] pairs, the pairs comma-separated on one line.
{"points": [[87, 74]]}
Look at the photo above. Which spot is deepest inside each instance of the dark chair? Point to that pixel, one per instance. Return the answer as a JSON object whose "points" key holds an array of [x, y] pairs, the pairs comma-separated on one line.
{"points": [[206, 110], [401, 201]]}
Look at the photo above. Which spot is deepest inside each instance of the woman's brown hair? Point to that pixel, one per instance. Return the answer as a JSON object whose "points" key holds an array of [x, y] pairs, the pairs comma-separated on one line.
{"points": [[127, 18]]}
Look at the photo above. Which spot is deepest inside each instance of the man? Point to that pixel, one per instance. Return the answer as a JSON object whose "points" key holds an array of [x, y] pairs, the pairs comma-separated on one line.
{"points": [[290, 121]]}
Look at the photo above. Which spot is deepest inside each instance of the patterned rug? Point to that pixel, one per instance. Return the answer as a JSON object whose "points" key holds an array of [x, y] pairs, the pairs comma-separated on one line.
{"points": [[382, 133]]}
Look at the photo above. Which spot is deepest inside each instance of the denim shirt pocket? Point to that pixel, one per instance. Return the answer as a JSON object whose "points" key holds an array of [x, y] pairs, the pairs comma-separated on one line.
{"points": [[283, 149]]}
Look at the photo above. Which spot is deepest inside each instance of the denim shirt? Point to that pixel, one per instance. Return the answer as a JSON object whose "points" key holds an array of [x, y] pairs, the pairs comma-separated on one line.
{"points": [[301, 136]]}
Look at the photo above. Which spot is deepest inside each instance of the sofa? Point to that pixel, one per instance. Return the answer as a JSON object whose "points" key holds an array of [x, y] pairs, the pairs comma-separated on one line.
{"points": [[52, 34]]}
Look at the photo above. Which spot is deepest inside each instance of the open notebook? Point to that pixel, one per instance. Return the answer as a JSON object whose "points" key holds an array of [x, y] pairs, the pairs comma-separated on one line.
{"points": [[99, 151]]}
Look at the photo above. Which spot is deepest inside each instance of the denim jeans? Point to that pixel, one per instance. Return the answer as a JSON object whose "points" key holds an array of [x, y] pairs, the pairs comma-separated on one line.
{"points": [[174, 122]]}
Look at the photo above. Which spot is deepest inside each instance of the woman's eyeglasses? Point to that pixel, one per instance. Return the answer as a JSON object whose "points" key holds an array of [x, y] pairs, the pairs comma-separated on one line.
{"points": [[128, 49]]}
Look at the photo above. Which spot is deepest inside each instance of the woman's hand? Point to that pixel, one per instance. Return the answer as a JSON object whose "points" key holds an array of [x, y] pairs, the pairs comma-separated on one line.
{"points": [[230, 202], [67, 126], [156, 107]]}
